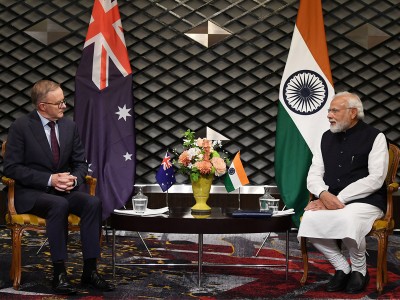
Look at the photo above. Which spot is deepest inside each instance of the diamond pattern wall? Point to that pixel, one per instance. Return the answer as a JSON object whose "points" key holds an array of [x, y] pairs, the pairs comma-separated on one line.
{"points": [[231, 86]]}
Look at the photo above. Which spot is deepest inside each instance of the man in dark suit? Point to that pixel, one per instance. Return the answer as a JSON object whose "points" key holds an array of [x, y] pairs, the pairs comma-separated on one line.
{"points": [[46, 158]]}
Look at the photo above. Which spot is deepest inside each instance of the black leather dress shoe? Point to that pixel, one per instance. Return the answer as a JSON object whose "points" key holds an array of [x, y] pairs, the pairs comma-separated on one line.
{"points": [[338, 282], [96, 281], [61, 285], [357, 283]]}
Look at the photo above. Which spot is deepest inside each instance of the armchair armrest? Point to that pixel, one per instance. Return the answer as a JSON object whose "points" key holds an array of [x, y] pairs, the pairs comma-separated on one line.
{"points": [[91, 182], [393, 187], [10, 183]]}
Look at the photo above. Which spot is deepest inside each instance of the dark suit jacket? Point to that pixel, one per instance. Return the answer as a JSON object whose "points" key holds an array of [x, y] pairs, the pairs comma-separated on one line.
{"points": [[28, 157]]}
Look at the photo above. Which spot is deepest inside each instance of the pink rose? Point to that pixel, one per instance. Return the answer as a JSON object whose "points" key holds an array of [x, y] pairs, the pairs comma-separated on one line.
{"points": [[219, 165], [200, 142]]}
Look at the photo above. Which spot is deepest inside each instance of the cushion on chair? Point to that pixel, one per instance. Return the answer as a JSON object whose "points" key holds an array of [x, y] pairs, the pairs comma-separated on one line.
{"points": [[25, 219], [74, 220], [382, 224]]}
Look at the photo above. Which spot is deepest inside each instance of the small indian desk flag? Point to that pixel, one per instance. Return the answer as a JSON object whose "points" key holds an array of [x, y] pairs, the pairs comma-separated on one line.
{"points": [[165, 175], [236, 175]]}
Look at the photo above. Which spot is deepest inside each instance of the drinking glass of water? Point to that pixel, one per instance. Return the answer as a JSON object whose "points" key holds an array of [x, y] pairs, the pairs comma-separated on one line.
{"points": [[264, 199], [268, 202], [139, 201]]}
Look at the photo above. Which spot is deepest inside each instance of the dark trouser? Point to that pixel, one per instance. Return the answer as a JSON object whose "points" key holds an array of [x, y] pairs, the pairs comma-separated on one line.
{"points": [[55, 207]]}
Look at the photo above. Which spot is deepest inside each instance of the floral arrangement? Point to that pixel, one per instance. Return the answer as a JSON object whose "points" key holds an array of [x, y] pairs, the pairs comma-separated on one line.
{"points": [[200, 157]]}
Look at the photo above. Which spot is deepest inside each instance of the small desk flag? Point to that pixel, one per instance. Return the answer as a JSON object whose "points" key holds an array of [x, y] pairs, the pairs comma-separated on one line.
{"points": [[236, 175], [165, 175]]}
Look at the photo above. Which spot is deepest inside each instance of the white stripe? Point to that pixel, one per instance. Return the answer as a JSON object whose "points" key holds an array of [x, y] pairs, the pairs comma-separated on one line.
{"points": [[235, 178], [310, 126]]}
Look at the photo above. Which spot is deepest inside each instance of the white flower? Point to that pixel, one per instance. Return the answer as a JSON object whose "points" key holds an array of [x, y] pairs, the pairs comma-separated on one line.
{"points": [[217, 144], [193, 153]]}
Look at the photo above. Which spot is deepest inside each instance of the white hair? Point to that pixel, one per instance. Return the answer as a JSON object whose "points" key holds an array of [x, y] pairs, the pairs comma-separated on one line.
{"points": [[353, 101]]}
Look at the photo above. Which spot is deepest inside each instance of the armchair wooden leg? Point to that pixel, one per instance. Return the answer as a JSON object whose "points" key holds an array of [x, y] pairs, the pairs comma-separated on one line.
{"points": [[384, 261], [16, 259], [12, 269], [303, 246], [380, 262]]}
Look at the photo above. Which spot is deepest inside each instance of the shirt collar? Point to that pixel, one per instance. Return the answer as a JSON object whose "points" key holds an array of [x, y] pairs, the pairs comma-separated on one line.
{"points": [[44, 120]]}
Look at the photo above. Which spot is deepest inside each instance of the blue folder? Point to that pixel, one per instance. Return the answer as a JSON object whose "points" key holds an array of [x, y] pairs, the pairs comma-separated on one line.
{"points": [[252, 214]]}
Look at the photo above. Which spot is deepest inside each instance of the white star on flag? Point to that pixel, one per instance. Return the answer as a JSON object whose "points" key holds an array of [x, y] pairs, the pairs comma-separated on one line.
{"points": [[123, 112], [127, 156]]}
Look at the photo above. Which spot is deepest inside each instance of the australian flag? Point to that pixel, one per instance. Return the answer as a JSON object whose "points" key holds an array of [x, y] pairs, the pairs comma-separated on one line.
{"points": [[165, 175], [104, 106]]}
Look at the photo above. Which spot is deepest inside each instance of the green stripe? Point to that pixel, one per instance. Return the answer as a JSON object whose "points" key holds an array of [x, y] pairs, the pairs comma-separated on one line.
{"points": [[228, 183], [292, 162]]}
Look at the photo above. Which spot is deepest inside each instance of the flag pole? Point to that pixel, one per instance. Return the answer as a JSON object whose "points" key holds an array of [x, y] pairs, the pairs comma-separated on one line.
{"points": [[166, 198], [239, 198]]}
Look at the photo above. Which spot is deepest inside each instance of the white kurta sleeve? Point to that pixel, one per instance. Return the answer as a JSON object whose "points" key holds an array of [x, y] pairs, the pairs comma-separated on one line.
{"points": [[378, 160], [315, 177]]}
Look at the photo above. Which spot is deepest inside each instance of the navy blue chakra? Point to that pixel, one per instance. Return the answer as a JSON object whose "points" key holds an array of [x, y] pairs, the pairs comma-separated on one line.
{"points": [[231, 171], [305, 92]]}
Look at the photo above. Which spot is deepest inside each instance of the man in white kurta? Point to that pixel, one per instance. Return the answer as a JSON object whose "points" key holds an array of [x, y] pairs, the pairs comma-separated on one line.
{"points": [[347, 178]]}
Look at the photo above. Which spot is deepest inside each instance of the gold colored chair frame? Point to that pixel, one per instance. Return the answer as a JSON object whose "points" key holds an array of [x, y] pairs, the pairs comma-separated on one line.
{"points": [[381, 229], [19, 223]]}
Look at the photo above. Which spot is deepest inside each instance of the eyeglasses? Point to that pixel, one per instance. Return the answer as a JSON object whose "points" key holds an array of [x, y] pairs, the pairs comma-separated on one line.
{"points": [[336, 110], [59, 103]]}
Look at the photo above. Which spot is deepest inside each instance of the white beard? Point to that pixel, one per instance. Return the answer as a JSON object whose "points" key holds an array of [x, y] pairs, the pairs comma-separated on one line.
{"points": [[340, 126]]}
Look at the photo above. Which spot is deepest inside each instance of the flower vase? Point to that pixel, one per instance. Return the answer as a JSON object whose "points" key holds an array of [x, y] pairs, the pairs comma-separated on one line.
{"points": [[201, 192]]}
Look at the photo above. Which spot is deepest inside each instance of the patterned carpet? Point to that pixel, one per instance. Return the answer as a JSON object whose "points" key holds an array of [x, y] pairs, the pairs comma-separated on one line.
{"points": [[165, 282]]}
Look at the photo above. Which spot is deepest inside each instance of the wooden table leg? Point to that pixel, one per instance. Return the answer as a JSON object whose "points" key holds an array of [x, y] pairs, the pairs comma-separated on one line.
{"points": [[200, 259]]}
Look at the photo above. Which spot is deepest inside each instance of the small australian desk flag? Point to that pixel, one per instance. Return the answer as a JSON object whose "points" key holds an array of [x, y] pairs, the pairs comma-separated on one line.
{"points": [[165, 175]]}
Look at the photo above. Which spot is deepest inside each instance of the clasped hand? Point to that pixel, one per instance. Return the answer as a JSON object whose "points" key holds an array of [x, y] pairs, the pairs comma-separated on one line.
{"points": [[326, 201], [63, 182]]}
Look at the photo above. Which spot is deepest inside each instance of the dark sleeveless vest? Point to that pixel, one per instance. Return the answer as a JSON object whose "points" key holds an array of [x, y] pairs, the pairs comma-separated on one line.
{"points": [[345, 156]]}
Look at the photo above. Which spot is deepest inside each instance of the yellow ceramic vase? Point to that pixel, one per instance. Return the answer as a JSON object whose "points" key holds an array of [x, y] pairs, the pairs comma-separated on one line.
{"points": [[201, 192]]}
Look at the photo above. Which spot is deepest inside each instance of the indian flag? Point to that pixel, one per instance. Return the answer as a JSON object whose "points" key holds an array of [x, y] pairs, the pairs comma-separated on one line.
{"points": [[236, 176], [304, 96]]}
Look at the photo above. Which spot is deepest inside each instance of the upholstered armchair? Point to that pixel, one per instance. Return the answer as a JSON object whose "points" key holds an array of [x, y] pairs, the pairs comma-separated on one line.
{"points": [[381, 228], [19, 223]]}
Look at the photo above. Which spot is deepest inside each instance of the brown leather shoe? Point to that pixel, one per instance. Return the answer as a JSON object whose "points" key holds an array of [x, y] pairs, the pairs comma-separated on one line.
{"points": [[96, 281], [61, 285]]}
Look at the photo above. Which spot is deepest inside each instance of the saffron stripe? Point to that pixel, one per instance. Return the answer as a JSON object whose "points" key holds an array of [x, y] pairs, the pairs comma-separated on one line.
{"points": [[240, 169]]}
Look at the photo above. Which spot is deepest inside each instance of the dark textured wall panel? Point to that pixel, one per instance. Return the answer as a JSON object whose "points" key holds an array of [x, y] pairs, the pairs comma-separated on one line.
{"points": [[231, 86]]}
